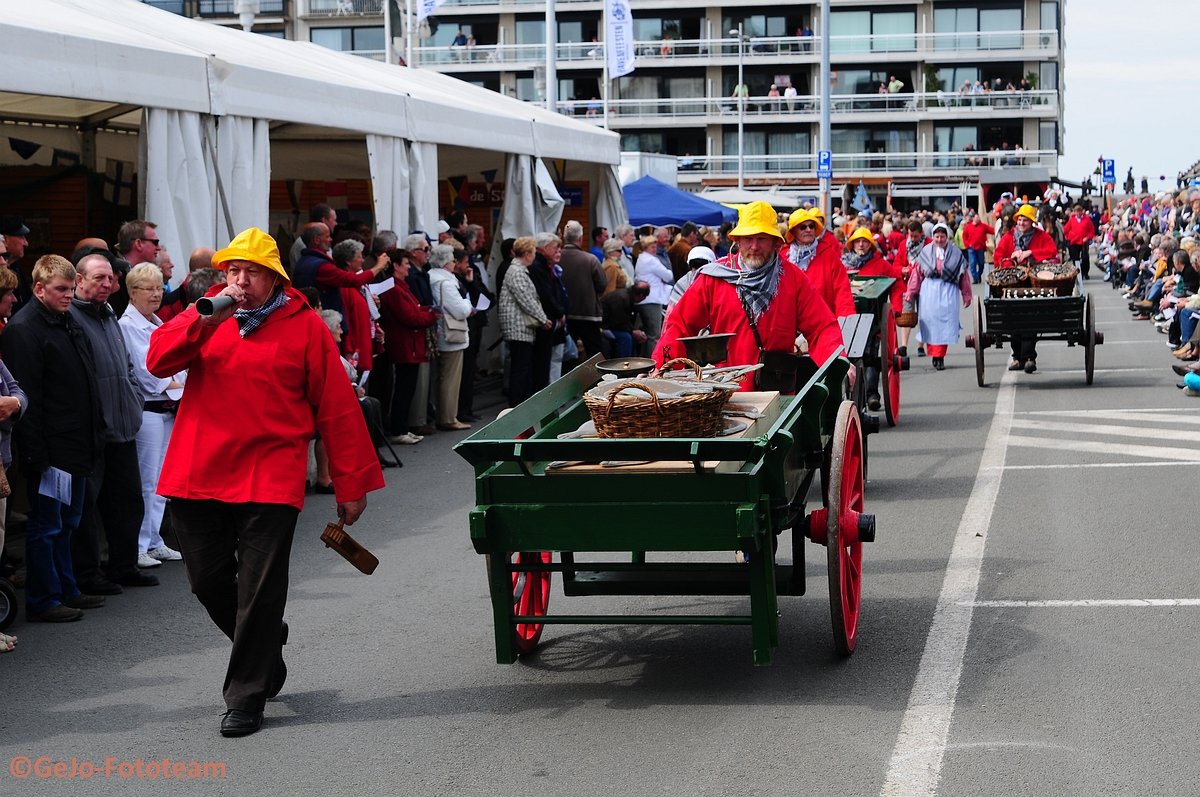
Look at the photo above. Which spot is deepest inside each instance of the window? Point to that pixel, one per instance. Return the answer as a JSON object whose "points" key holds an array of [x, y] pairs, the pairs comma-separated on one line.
{"points": [[953, 78], [757, 143], [174, 6], [954, 138], [1048, 136], [1049, 15], [222, 8], [531, 31], [642, 142], [952, 21], [969, 20], [873, 31], [879, 142], [1048, 76], [349, 39], [861, 81], [999, 21]]}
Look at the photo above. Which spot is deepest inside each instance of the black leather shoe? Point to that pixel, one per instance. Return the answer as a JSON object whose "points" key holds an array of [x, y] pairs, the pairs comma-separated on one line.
{"points": [[100, 586], [240, 723], [280, 674], [323, 489], [136, 578]]}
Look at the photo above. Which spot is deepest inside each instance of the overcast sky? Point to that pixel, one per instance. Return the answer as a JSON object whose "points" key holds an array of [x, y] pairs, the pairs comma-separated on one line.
{"points": [[1132, 87]]}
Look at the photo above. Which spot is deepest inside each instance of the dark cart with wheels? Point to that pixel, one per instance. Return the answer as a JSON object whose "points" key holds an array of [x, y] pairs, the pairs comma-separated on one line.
{"points": [[871, 341], [664, 504], [1070, 318]]}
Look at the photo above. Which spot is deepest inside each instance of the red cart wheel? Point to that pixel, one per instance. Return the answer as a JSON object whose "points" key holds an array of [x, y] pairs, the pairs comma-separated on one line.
{"points": [[842, 543], [890, 371], [531, 595]]}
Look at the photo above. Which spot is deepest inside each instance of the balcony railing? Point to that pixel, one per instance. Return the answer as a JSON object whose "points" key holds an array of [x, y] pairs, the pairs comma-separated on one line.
{"points": [[342, 8], [715, 110], [757, 49], [802, 165], [226, 8]]}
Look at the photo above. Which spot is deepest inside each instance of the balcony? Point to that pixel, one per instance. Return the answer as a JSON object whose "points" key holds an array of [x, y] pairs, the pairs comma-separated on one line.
{"points": [[227, 8], [759, 50], [342, 8], [803, 167], [807, 109]]}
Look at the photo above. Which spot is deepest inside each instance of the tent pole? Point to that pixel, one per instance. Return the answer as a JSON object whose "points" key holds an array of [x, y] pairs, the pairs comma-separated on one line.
{"points": [[408, 33]]}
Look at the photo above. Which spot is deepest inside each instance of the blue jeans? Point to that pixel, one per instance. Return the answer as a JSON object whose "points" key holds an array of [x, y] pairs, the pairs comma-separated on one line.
{"points": [[1187, 324], [49, 575], [622, 343], [975, 263]]}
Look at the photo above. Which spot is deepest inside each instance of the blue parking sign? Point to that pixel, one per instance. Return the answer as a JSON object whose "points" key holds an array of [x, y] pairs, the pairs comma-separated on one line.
{"points": [[824, 164], [1110, 171]]}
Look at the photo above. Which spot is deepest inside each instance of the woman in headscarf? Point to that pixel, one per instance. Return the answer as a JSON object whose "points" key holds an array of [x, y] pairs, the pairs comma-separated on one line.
{"points": [[942, 279]]}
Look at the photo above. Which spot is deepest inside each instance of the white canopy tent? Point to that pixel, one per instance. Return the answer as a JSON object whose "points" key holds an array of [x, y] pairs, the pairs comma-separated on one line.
{"points": [[219, 112]]}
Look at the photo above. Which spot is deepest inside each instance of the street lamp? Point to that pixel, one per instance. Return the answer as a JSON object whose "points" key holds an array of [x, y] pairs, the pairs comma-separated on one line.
{"points": [[741, 92]]}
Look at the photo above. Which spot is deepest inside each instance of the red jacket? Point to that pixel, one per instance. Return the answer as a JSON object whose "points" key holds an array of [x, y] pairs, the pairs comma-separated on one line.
{"points": [[895, 241], [827, 275], [711, 302], [1079, 230], [404, 322], [359, 327], [975, 234], [902, 256], [1042, 246], [878, 267], [252, 404]]}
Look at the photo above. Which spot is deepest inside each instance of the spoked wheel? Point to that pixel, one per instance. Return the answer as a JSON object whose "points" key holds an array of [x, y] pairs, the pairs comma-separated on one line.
{"points": [[980, 344], [889, 361], [843, 527], [1089, 343], [531, 595]]}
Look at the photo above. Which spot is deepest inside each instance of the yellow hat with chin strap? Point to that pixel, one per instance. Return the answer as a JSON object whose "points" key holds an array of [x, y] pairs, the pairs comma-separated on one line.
{"points": [[803, 215], [861, 234], [1027, 211], [756, 218], [253, 246]]}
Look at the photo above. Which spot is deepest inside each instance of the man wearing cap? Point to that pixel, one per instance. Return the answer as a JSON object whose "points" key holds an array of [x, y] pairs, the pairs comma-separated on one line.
{"points": [[15, 241], [756, 296], [1024, 245], [819, 256], [974, 236], [263, 376]]}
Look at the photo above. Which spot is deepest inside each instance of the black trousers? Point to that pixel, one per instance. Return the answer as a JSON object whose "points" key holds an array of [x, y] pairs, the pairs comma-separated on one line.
{"points": [[1079, 253], [379, 384], [543, 350], [1024, 348], [237, 558], [520, 371], [403, 388], [589, 333], [466, 384], [113, 508]]}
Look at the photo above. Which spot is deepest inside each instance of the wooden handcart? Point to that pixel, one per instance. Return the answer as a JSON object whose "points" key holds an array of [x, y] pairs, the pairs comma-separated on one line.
{"points": [[664, 501], [1071, 318], [874, 322]]}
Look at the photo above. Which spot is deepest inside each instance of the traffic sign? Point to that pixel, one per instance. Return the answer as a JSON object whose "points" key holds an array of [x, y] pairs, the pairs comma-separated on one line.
{"points": [[824, 164], [1110, 171]]}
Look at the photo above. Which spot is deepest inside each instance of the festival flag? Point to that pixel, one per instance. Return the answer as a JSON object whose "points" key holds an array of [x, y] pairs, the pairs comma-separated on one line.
{"points": [[618, 44], [25, 149], [426, 7]]}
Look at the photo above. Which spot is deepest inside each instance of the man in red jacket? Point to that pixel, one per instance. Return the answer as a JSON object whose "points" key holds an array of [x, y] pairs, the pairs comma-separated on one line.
{"points": [[263, 376], [755, 295], [818, 254], [1024, 244], [974, 236], [1079, 232]]}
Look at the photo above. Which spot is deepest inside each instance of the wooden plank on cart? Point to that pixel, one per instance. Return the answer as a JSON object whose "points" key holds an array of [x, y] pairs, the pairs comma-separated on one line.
{"points": [[856, 333]]}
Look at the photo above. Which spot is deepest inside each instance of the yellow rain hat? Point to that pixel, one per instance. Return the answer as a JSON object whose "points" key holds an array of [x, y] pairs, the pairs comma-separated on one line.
{"points": [[255, 246], [803, 215], [1027, 211], [861, 233], [756, 218]]}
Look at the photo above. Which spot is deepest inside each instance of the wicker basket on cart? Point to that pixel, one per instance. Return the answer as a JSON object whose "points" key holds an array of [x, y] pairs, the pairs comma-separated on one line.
{"points": [[693, 415], [1006, 276], [1054, 276]]}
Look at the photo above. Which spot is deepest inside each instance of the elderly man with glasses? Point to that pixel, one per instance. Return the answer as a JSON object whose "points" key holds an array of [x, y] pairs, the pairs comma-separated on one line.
{"points": [[818, 254]]}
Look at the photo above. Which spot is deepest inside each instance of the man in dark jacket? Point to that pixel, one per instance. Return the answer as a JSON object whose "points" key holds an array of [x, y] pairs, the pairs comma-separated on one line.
{"points": [[553, 297], [620, 310], [114, 504], [585, 282], [58, 439]]}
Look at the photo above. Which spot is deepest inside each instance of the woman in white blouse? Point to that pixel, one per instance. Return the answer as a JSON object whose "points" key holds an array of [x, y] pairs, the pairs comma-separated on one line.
{"points": [[651, 270], [145, 285]]}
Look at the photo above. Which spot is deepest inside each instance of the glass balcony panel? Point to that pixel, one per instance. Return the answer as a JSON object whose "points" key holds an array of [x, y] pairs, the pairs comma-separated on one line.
{"points": [[339, 8], [227, 8]]}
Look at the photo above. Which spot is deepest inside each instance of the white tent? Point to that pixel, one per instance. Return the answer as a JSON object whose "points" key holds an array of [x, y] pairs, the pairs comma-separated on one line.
{"points": [[218, 112]]}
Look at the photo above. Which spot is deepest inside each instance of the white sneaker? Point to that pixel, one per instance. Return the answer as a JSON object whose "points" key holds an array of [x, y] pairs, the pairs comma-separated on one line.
{"points": [[145, 560], [407, 439], [165, 554]]}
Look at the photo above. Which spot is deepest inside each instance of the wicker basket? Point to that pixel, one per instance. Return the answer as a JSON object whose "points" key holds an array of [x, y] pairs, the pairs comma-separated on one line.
{"points": [[695, 415], [1057, 277], [906, 319], [1006, 276]]}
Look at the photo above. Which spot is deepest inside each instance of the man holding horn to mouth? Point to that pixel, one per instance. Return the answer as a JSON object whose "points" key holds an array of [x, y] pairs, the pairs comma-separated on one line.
{"points": [[263, 377]]}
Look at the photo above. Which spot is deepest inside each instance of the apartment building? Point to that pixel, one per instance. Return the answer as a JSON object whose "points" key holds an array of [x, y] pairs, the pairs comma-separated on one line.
{"points": [[928, 98]]}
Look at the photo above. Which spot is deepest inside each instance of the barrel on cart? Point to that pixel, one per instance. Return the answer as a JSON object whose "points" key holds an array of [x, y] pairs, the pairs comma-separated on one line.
{"points": [[676, 508]]}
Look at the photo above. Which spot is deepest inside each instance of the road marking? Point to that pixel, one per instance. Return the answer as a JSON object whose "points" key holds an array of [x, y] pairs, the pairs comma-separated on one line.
{"points": [[1150, 452], [1172, 416], [1174, 436], [1136, 603], [1173, 464], [916, 764]]}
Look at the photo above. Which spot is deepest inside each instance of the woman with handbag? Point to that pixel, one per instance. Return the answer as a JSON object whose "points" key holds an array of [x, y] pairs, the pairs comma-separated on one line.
{"points": [[405, 324], [521, 316], [452, 334]]}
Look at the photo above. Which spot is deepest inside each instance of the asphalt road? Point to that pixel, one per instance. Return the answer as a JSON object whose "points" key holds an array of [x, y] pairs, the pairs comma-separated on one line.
{"points": [[985, 664]]}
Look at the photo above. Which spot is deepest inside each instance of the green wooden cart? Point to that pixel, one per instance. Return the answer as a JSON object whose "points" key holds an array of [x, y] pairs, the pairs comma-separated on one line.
{"points": [[871, 342], [537, 495]]}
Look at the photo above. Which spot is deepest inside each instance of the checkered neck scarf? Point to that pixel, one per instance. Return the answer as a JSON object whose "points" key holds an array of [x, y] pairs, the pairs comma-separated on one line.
{"points": [[756, 287], [853, 261], [802, 255], [250, 320], [1021, 241]]}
